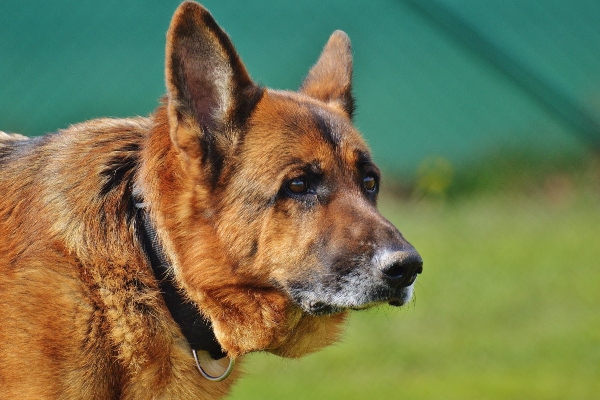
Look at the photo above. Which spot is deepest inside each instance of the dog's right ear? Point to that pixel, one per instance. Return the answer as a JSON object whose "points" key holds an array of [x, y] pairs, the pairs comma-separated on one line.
{"points": [[330, 79], [208, 86]]}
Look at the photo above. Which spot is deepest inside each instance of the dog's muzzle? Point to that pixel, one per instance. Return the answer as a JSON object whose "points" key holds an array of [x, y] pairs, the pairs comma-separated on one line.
{"points": [[387, 277]]}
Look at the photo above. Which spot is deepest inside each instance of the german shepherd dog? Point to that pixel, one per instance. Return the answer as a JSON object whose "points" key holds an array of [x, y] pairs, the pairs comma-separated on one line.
{"points": [[139, 258]]}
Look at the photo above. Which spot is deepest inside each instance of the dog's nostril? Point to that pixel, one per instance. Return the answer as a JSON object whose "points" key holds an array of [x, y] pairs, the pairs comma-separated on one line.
{"points": [[404, 272], [396, 270]]}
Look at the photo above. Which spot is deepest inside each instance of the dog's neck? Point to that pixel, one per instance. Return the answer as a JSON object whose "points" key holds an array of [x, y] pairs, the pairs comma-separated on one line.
{"points": [[196, 329]]}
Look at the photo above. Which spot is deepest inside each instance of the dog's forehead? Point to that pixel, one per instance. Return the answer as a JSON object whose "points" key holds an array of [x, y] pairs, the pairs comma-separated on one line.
{"points": [[292, 120]]}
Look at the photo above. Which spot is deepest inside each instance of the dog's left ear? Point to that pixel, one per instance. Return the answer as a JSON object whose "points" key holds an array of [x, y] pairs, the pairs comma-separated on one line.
{"points": [[209, 89], [330, 79]]}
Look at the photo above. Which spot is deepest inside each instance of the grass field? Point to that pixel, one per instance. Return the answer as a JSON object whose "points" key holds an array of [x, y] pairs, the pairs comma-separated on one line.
{"points": [[508, 307]]}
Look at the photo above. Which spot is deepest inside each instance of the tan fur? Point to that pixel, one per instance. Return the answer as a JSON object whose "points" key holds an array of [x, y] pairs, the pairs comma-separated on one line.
{"points": [[81, 316]]}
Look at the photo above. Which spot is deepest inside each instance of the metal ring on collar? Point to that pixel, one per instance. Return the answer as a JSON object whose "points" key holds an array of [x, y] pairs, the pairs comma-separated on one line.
{"points": [[211, 378]]}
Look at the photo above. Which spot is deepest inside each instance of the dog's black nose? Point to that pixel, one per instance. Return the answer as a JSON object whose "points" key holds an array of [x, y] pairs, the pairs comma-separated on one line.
{"points": [[402, 268]]}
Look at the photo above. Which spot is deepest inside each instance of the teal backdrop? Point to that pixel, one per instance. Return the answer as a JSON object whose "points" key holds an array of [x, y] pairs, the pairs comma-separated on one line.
{"points": [[456, 79]]}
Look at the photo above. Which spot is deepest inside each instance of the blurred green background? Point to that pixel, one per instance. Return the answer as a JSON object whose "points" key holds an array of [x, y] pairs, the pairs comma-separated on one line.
{"points": [[484, 117]]}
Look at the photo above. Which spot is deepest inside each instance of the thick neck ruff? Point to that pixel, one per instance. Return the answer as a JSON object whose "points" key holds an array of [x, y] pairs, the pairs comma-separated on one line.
{"points": [[196, 329]]}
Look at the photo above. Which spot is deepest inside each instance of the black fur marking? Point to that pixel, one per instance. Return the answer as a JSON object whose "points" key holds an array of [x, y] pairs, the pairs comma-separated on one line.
{"points": [[349, 103], [253, 249], [121, 167], [329, 132], [246, 102], [363, 159], [212, 158]]}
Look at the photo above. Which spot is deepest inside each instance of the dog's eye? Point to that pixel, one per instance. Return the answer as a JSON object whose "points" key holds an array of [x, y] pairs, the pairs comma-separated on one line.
{"points": [[298, 185], [370, 183]]}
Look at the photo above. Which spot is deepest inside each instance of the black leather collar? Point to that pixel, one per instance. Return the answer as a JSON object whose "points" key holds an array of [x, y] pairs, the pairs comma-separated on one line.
{"points": [[196, 329]]}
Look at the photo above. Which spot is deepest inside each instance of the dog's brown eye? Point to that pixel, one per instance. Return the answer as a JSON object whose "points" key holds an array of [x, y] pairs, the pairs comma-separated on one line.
{"points": [[370, 183], [298, 185]]}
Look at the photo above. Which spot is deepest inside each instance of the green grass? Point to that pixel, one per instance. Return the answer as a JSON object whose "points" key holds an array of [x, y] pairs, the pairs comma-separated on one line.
{"points": [[507, 308]]}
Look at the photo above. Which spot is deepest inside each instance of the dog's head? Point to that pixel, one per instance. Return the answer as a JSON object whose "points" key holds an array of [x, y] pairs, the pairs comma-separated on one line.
{"points": [[273, 230]]}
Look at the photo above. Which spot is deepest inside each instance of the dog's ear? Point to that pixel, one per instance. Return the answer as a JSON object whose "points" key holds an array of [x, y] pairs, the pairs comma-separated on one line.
{"points": [[330, 79], [209, 89]]}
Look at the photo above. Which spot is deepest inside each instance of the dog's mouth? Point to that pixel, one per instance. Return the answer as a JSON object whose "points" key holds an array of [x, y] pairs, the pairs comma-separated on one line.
{"points": [[320, 308], [310, 303]]}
